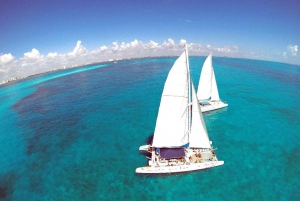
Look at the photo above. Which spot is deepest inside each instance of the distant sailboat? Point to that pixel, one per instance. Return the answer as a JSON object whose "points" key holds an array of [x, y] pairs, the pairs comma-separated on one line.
{"points": [[180, 141], [208, 93]]}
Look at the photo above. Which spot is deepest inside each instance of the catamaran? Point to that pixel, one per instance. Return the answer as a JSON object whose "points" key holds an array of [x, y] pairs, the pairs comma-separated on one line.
{"points": [[180, 142], [207, 92]]}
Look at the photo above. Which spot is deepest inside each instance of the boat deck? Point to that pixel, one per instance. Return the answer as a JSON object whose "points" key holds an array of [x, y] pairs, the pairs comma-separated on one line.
{"points": [[212, 105], [195, 159], [193, 156]]}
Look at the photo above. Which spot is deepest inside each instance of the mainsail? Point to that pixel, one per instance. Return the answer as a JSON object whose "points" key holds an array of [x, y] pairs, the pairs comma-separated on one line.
{"points": [[173, 119], [207, 88], [214, 88], [198, 137]]}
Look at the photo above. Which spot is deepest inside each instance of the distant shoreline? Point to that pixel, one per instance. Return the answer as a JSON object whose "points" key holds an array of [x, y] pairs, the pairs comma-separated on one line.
{"points": [[114, 60], [76, 66]]}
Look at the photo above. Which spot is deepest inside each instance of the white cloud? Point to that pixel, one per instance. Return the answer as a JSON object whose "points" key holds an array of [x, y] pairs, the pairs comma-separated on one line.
{"points": [[34, 54], [182, 42], [134, 43], [115, 46], [153, 44], [32, 58], [169, 43], [78, 50], [196, 48], [103, 47], [284, 55], [6, 58], [52, 55], [227, 49], [293, 49], [34, 62]]}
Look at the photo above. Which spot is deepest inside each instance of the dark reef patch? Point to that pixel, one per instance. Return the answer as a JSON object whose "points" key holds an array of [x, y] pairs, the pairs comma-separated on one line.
{"points": [[7, 182], [2, 193], [288, 114], [49, 122], [42, 93], [46, 139]]}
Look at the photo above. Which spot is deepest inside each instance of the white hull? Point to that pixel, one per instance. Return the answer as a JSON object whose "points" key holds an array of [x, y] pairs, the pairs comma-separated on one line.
{"points": [[144, 147], [213, 106], [179, 168]]}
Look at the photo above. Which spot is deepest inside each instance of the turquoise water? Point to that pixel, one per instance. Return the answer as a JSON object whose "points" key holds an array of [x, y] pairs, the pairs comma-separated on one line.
{"points": [[74, 134]]}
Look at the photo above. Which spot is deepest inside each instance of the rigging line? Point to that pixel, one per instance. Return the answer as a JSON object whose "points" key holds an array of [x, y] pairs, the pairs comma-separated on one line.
{"points": [[187, 133], [186, 109], [182, 104]]}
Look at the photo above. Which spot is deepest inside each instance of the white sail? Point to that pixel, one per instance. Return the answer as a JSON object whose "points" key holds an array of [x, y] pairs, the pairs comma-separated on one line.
{"points": [[205, 82], [172, 124], [198, 137], [214, 88]]}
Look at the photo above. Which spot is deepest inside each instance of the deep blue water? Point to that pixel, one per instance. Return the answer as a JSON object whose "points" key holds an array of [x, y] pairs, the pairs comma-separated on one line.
{"points": [[74, 134]]}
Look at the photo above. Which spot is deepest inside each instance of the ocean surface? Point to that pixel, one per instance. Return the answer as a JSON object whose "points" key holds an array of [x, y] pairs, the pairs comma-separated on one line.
{"points": [[75, 134]]}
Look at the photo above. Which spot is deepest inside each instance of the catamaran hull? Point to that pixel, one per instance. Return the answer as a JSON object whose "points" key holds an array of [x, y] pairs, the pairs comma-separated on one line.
{"points": [[213, 106], [181, 168], [144, 147]]}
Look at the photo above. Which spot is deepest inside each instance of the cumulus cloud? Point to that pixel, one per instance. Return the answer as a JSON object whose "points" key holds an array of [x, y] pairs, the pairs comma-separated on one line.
{"points": [[34, 54], [123, 46], [227, 49], [170, 42], [182, 42], [103, 47], [169, 45], [52, 55], [31, 58], [134, 43], [284, 55], [6, 58], [293, 49], [34, 62], [115, 46], [153, 44], [150, 46], [78, 50]]}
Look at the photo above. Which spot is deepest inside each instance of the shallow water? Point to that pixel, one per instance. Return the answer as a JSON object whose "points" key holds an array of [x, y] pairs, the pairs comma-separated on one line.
{"points": [[74, 134]]}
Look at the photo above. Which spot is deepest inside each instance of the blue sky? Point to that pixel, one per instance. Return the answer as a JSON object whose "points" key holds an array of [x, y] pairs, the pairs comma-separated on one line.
{"points": [[268, 30]]}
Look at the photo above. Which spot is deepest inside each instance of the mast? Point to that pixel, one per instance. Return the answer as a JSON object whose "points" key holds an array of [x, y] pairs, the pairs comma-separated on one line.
{"points": [[189, 92], [211, 67]]}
